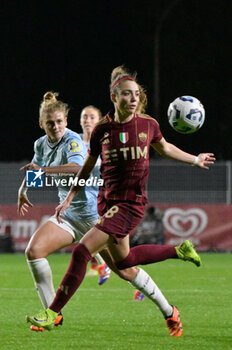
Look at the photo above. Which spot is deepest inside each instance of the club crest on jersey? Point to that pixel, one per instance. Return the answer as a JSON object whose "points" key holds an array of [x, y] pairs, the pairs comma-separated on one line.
{"points": [[124, 137], [143, 137]]}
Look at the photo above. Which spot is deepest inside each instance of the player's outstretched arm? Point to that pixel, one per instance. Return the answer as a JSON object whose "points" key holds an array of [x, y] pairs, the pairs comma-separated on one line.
{"points": [[168, 150]]}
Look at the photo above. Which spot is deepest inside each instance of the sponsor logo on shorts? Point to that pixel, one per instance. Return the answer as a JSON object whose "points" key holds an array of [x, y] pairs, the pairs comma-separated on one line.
{"points": [[101, 221]]}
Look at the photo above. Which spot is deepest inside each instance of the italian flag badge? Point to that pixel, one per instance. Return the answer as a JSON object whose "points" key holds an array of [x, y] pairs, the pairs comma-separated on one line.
{"points": [[124, 137]]}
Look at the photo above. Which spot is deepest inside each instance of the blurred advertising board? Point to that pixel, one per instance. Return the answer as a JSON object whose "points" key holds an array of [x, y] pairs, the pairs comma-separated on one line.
{"points": [[208, 226]]}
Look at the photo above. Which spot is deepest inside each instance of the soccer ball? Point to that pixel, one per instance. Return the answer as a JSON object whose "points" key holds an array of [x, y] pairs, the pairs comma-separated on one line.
{"points": [[186, 114]]}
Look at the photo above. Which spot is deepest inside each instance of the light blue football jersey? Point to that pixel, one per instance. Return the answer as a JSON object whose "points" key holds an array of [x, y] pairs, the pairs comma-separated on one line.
{"points": [[70, 149], [96, 170]]}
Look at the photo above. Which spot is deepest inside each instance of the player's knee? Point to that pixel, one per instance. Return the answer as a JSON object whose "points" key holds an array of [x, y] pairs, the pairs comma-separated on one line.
{"points": [[128, 274], [81, 252], [33, 252], [127, 262]]}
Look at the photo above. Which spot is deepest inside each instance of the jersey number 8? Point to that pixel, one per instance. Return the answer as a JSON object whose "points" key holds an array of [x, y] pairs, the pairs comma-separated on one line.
{"points": [[110, 213]]}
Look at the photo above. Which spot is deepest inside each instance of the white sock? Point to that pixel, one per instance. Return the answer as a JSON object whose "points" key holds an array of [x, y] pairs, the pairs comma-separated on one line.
{"points": [[42, 275], [99, 259], [147, 286]]}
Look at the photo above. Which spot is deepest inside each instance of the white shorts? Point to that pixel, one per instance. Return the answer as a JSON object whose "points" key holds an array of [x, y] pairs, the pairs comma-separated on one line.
{"points": [[77, 231]]}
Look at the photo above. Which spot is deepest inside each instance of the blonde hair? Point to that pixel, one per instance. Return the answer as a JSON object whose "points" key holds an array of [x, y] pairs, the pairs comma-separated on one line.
{"points": [[50, 104], [121, 73]]}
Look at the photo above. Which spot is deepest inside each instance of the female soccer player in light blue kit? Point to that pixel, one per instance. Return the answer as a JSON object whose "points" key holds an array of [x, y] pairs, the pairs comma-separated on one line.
{"points": [[59, 151], [62, 151]]}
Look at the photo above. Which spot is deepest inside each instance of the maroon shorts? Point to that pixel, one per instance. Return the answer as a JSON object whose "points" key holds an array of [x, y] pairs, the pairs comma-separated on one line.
{"points": [[119, 218]]}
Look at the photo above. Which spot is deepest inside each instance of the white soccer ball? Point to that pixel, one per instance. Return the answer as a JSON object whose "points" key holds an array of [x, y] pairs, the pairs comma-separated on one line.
{"points": [[186, 114]]}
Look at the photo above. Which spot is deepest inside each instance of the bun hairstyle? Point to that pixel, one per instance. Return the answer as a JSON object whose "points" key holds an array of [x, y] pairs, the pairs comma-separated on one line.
{"points": [[49, 97], [50, 104], [120, 74]]}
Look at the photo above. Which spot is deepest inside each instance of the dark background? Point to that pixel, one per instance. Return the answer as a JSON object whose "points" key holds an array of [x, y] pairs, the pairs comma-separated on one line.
{"points": [[72, 46]]}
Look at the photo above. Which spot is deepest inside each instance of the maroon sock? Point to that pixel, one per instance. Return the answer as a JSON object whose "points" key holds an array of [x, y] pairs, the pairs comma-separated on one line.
{"points": [[73, 277], [94, 262], [147, 254]]}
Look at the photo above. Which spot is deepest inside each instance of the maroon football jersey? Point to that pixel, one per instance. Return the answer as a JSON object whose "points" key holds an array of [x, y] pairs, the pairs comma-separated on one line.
{"points": [[124, 150]]}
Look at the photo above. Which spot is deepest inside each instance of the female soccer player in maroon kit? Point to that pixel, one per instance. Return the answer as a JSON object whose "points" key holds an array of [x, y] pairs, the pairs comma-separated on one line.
{"points": [[122, 139]]}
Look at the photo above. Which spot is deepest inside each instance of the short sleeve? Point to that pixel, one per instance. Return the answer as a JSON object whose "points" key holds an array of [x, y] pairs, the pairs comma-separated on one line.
{"points": [[38, 155], [157, 134], [75, 151]]}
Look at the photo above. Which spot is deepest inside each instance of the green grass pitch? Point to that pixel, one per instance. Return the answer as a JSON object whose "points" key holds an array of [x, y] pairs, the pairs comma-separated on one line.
{"points": [[106, 318]]}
